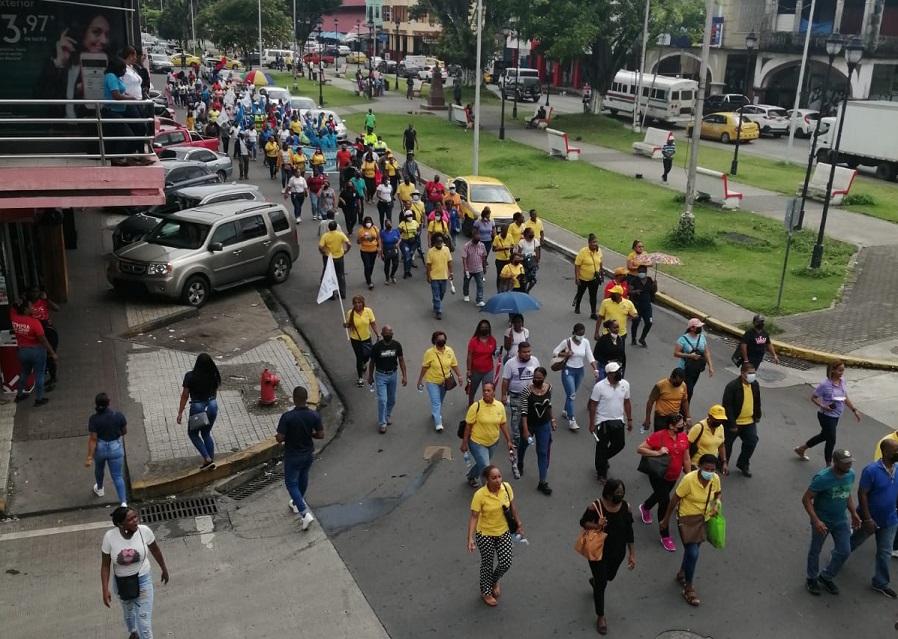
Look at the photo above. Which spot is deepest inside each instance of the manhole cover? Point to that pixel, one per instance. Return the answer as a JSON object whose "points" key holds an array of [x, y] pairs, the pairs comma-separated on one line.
{"points": [[178, 509], [682, 634]]}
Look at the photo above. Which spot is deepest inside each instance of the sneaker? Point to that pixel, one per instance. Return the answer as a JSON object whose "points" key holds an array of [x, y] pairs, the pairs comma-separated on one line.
{"points": [[563, 414], [888, 592], [574, 425], [481, 303], [293, 507], [42, 401], [646, 514], [745, 472], [543, 487], [382, 429], [360, 383], [99, 492], [668, 544], [813, 587], [307, 520], [124, 504], [829, 585], [643, 344], [439, 428], [467, 298], [21, 398], [895, 554]]}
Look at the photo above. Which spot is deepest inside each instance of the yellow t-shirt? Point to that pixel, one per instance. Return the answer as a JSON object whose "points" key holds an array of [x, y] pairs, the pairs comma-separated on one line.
{"points": [[491, 521], [588, 262], [746, 415], [620, 312], [318, 159], [485, 419], [368, 239], [333, 243], [502, 247], [299, 161], [515, 232], [877, 454], [710, 441], [418, 208], [369, 169], [451, 201], [537, 227], [271, 149], [404, 191], [693, 496], [630, 257], [408, 230], [360, 323], [391, 168], [370, 138], [295, 126], [438, 365], [513, 271], [438, 226], [671, 397], [438, 260]]}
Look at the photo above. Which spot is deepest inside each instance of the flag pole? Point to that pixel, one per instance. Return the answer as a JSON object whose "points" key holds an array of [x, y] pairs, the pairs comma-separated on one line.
{"points": [[343, 315]]}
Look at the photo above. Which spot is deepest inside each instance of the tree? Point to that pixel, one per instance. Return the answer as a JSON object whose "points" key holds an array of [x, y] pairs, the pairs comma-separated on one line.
{"points": [[308, 15], [234, 24]]}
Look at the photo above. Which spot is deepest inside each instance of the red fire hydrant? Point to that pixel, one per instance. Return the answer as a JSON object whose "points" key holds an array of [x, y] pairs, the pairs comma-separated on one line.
{"points": [[269, 383]]}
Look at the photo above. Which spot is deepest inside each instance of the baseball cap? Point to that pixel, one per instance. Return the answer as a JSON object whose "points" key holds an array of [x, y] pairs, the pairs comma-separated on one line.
{"points": [[695, 323], [416, 192], [842, 456], [617, 289], [620, 270], [612, 367], [717, 412], [757, 318]]}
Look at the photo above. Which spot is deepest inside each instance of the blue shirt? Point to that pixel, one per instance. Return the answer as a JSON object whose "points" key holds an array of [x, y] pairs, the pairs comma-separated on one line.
{"points": [[831, 494], [389, 238], [690, 344], [107, 424], [882, 494], [112, 82], [297, 426]]}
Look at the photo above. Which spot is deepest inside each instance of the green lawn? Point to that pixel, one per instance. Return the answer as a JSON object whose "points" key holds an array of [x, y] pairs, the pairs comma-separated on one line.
{"points": [[760, 172], [743, 265], [333, 96]]}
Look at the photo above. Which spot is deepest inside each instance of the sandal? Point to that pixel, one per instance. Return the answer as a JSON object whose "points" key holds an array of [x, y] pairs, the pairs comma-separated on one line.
{"points": [[681, 578], [689, 596], [489, 600]]}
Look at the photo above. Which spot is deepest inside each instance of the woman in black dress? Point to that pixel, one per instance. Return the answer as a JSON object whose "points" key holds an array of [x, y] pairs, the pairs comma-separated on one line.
{"points": [[616, 520], [201, 386], [610, 347]]}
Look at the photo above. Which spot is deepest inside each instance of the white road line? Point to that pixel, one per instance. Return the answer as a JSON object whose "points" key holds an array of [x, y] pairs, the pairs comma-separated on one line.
{"points": [[43, 532]]}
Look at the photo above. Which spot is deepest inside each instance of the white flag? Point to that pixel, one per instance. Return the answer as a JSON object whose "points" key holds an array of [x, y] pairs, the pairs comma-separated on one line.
{"points": [[329, 282]]}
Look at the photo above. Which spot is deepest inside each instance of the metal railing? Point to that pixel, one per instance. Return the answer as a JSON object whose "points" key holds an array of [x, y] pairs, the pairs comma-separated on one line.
{"points": [[60, 132]]}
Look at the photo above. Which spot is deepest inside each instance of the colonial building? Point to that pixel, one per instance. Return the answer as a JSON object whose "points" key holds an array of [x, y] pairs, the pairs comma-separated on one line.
{"points": [[398, 35]]}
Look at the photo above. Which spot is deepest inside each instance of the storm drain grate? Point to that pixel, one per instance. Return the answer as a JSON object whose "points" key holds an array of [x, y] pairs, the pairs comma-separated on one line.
{"points": [[256, 484], [178, 509], [788, 362]]}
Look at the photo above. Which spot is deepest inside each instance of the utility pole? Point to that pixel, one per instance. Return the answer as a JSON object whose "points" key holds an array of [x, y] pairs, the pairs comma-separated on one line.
{"points": [[478, 79]]}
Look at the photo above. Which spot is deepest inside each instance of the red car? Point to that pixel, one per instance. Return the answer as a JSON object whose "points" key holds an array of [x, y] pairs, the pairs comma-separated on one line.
{"points": [[312, 58]]}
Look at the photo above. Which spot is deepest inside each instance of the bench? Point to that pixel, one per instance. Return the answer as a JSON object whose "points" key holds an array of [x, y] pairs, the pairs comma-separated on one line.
{"points": [[712, 185], [559, 147], [540, 124], [651, 145], [842, 181], [460, 116], [340, 71]]}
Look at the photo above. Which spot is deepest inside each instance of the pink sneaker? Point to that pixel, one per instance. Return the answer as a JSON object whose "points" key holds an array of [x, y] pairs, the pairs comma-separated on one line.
{"points": [[668, 544], [646, 514]]}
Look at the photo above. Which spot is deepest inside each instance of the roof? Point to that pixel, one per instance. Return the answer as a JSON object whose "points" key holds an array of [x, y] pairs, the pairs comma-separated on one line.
{"points": [[479, 179], [170, 163], [211, 213], [199, 192]]}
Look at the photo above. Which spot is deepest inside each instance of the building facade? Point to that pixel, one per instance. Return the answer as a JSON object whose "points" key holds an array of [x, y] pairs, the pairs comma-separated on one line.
{"points": [[397, 35]]}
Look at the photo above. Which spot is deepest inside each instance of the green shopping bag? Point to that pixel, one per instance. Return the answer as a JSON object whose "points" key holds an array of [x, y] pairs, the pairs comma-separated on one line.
{"points": [[717, 530]]}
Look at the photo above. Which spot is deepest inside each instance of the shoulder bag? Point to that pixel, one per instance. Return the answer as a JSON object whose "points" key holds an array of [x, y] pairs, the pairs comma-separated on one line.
{"points": [[366, 344], [692, 527], [591, 542], [693, 446], [198, 421], [655, 466], [464, 424], [509, 516], [448, 382], [129, 586], [560, 360], [694, 367]]}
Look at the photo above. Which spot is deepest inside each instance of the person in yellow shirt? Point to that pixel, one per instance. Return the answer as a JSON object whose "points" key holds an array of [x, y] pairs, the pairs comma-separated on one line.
{"points": [[409, 231], [300, 160], [511, 274], [706, 438], [369, 173], [516, 228], [368, 239], [295, 125], [370, 139], [588, 274], [362, 325], [484, 421], [502, 245], [877, 454], [742, 402], [439, 272], [438, 366], [669, 397], [438, 226], [318, 161], [334, 244], [537, 225], [271, 156], [390, 167], [616, 308], [404, 192]]}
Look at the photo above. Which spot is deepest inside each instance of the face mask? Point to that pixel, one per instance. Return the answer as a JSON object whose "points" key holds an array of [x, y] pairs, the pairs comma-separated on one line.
{"points": [[698, 331], [388, 338], [441, 342], [484, 331], [642, 276], [368, 225], [578, 338], [750, 378], [415, 198], [707, 476], [616, 499], [680, 429], [538, 383], [759, 325], [475, 240]]}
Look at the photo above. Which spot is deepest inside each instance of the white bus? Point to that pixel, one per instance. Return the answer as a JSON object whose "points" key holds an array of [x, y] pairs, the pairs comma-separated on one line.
{"points": [[668, 100]]}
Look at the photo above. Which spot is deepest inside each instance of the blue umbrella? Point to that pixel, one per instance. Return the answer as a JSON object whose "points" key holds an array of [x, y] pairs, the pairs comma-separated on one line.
{"points": [[510, 302]]}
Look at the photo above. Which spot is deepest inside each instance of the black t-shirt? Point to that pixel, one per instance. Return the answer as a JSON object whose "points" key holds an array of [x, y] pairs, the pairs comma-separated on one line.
{"points": [[756, 343], [107, 424], [201, 390], [297, 426], [408, 138], [386, 356]]}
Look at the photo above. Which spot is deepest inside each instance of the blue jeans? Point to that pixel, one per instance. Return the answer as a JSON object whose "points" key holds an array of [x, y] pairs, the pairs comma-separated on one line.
{"points": [[885, 537], [286, 174], [841, 533], [138, 613], [437, 393], [296, 477], [407, 247], [297, 199], [112, 453], [571, 378], [690, 559], [32, 359], [202, 439], [313, 199], [478, 279], [481, 455], [385, 383], [438, 289], [542, 434]]}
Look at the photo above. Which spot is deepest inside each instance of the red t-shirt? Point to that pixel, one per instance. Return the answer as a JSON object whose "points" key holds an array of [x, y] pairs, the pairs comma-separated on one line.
{"points": [[482, 360], [435, 191], [316, 182], [27, 329], [41, 310], [343, 158], [674, 446], [612, 284]]}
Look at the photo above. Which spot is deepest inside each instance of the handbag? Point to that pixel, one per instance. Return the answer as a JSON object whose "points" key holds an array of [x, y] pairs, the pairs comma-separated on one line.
{"points": [[509, 516], [717, 530], [591, 543], [559, 361], [736, 357], [692, 527], [694, 367], [197, 421], [464, 423], [654, 466], [129, 586], [448, 382]]}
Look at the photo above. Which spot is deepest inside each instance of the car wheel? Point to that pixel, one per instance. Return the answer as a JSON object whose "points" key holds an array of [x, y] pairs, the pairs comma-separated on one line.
{"points": [[886, 171], [222, 176], [195, 291], [725, 137], [766, 130], [279, 269], [823, 155]]}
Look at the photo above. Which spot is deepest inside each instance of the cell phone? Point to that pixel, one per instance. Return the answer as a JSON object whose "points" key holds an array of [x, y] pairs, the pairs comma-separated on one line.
{"points": [[595, 436]]}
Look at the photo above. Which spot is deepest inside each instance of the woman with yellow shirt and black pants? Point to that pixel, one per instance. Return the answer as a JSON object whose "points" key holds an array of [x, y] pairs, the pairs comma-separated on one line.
{"points": [[361, 324], [437, 368], [483, 423], [369, 173], [368, 239], [588, 274], [502, 245], [488, 530]]}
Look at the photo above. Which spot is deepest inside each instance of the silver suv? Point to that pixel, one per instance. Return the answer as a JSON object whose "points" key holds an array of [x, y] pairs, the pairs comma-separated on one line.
{"points": [[209, 248]]}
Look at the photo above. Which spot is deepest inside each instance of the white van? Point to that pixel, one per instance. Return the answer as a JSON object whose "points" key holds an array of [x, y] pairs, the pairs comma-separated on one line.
{"points": [[269, 56]]}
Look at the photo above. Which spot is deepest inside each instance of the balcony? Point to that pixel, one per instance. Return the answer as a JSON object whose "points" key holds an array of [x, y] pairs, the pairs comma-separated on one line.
{"points": [[791, 42], [74, 162]]}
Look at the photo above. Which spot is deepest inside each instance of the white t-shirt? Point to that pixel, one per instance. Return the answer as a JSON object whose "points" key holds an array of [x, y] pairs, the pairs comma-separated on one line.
{"points": [[129, 556], [297, 185], [519, 374], [132, 83], [610, 400], [516, 338], [384, 192], [582, 354], [528, 248]]}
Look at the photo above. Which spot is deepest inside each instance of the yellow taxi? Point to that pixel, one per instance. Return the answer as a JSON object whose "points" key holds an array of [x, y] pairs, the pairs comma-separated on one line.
{"points": [[189, 60], [356, 57], [724, 127], [477, 192], [230, 63]]}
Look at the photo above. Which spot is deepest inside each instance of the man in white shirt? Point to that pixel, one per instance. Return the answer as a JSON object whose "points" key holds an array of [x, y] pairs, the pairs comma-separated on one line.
{"points": [[385, 200], [252, 141], [296, 190], [516, 376], [242, 151], [609, 407]]}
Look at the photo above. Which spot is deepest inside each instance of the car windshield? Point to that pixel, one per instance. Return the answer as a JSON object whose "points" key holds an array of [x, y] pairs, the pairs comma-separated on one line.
{"points": [[179, 234], [491, 194], [172, 204], [302, 104], [780, 113]]}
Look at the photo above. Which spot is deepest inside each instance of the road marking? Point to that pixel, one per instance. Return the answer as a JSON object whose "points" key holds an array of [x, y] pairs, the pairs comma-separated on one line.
{"points": [[43, 532]]}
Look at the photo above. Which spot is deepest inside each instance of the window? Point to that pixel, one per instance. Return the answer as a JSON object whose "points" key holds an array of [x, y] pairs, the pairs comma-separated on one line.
{"points": [[176, 137], [179, 234], [176, 175], [193, 172], [462, 188], [674, 95], [226, 234], [386, 14], [278, 220], [686, 95], [253, 227], [659, 94], [203, 156]]}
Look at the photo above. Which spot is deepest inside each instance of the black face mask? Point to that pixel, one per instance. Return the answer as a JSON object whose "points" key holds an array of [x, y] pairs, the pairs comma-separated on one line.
{"points": [[698, 331], [538, 383], [388, 338], [616, 499], [759, 326], [484, 331], [441, 342]]}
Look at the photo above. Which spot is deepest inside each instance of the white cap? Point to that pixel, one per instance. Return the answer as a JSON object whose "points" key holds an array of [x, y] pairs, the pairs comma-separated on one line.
{"points": [[612, 367]]}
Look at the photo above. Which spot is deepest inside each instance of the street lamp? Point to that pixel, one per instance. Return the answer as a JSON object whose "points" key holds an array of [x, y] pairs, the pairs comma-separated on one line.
{"points": [[506, 31], [548, 82], [834, 44], [397, 53], [371, 53], [854, 51], [751, 40], [358, 43], [320, 68], [517, 75]]}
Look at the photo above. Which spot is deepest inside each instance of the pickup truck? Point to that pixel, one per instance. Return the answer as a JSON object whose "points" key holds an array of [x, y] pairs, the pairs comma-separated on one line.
{"points": [[171, 133]]}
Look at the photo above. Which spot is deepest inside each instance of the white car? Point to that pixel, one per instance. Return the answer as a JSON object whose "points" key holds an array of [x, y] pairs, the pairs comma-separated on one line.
{"points": [[277, 93], [301, 103], [805, 121], [340, 125], [426, 74], [771, 120], [343, 50]]}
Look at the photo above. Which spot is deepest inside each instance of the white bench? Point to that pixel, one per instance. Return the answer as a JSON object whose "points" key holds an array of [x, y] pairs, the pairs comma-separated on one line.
{"points": [[842, 181], [460, 116], [340, 71], [712, 185], [559, 147], [651, 145], [541, 124]]}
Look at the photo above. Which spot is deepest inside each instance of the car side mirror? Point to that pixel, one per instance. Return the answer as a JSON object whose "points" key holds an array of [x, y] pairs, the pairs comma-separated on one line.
{"points": [[517, 199], [215, 247]]}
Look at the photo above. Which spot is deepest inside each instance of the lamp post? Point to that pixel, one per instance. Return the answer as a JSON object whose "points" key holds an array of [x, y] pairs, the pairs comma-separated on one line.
{"points": [[358, 41], [371, 55], [506, 31], [320, 68], [751, 40], [517, 76], [548, 83], [854, 51], [834, 44], [397, 53]]}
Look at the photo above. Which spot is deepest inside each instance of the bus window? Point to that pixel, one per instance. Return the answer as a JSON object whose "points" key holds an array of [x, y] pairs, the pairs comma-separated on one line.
{"points": [[674, 95], [645, 92], [659, 94], [686, 95]]}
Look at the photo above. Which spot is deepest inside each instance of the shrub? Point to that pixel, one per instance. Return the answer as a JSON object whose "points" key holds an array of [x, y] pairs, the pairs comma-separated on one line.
{"points": [[859, 199], [680, 237]]}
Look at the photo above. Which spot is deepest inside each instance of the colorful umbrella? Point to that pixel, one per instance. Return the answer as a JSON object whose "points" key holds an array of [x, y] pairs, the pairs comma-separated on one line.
{"points": [[258, 78], [658, 258]]}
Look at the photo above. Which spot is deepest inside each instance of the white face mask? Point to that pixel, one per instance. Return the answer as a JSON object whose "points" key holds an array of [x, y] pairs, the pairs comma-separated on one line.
{"points": [[750, 378], [368, 225]]}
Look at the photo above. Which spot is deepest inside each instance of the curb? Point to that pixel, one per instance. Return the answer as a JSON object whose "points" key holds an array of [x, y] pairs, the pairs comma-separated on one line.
{"points": [[146, 327]]}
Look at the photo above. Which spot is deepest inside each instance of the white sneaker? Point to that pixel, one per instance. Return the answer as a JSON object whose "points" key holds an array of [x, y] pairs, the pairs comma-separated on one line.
{"points": [[467, 298], [99, 492], [563, 414], [574, 425], [895, 554], [307, 520], [294, 508], [439, 428], [481, 303], [124, 504]]}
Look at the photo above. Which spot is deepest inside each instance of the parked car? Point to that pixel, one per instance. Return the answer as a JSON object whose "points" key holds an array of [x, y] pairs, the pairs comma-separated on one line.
{"points": [[214, 247], [426, 74], [160, 63], [171, 133], [276, 94], [139, 225], [725, 103], [161, 110], [387, 66], [356, 57], [220, 163], [805, 121], [303, 104], [476, 192], [409, 70], [520, 83], [724, 127], [343, 50], [230, 63], [772, 120], [189, 61], [183, 173], [338, 122], [313, 58]]}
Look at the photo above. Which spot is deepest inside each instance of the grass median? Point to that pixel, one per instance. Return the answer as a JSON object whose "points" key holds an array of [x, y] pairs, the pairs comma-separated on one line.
{"points": [[742, 263], [764, 173], [333, 96]]}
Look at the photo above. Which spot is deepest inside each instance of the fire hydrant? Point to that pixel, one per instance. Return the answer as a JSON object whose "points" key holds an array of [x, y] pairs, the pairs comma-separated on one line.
{"points": [[269, 383]]}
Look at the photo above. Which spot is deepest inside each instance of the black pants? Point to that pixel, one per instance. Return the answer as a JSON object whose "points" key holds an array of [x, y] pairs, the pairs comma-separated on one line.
{"points": [[272, 166], [361, 359], [690, 379], [827, 434], [500, 264], [668, 165], [587, 285], [645, 316], [611, 442], [369, 259], [602, 572], [661, 496], [340, 269], [244, 166], [385, 211], [225, 144], [391, 263]]}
